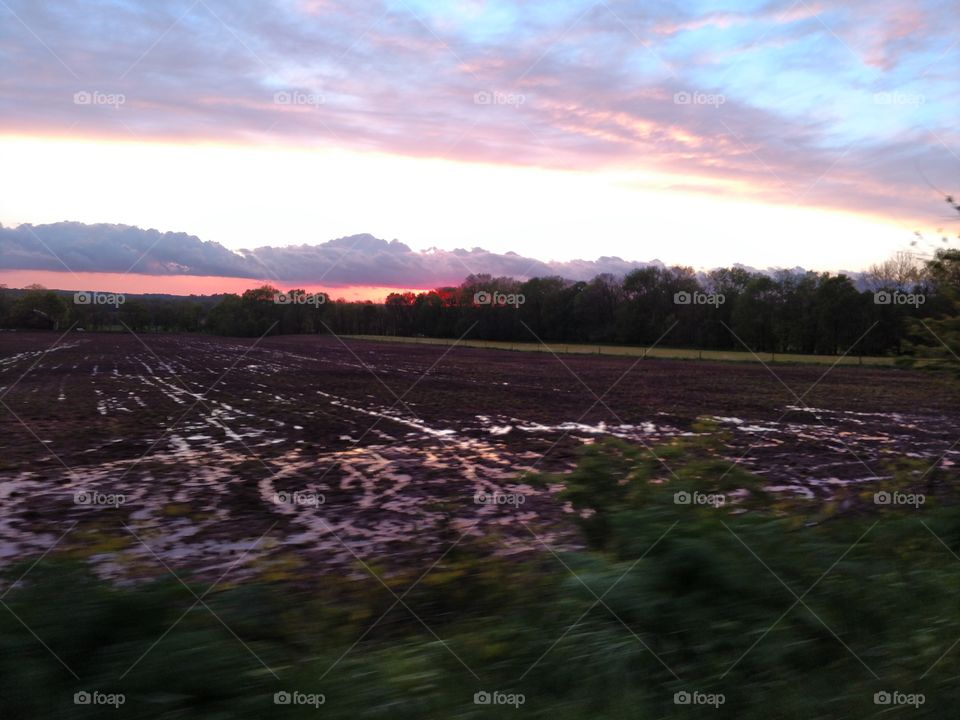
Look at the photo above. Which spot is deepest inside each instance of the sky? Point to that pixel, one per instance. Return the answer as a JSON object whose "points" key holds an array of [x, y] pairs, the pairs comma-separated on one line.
{"points": [[573, 135]]}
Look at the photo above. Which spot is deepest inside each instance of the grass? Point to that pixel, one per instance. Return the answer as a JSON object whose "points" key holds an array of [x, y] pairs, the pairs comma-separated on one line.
{"points": [[630, 351]]}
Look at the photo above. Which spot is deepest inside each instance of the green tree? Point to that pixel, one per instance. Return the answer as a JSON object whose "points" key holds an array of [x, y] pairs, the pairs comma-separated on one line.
{"points": [[937, 337], [39, 309], [135, 315]]}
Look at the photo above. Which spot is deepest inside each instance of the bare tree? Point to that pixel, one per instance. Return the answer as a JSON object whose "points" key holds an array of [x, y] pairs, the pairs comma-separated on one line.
{"points": [[902, 270]]}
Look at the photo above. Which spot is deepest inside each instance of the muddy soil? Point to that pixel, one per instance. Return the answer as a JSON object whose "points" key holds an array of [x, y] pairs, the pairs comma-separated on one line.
{"points": [[309, 452]]}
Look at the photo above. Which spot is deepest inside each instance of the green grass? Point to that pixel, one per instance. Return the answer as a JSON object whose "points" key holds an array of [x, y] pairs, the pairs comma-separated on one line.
{"points": [[629, 351]]}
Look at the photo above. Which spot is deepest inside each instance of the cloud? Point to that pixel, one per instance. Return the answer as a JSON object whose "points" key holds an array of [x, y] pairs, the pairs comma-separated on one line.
{"points": [[591, 85], [358, 260], [115, 248]]}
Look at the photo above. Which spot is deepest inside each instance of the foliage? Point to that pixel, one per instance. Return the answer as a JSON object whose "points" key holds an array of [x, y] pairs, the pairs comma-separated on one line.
{"points": [[787, 312], [936, 336], [786, 610], [783, 313]]}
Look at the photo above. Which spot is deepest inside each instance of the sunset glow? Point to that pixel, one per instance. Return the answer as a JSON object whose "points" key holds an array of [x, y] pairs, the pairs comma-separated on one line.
{"points": [[558, 133]]}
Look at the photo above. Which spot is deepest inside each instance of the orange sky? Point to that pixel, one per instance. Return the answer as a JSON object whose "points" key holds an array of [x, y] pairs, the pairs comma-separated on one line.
{"points": [[176, 284]]}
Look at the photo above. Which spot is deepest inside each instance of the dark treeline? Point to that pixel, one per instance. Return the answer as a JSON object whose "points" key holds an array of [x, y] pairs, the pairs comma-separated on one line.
{"points": [[254, 313], [787, 312], [36, 308]]}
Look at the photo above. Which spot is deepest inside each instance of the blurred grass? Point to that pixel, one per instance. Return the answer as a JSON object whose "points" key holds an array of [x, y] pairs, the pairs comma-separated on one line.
{"points": [[789, 609], [657, 352]]}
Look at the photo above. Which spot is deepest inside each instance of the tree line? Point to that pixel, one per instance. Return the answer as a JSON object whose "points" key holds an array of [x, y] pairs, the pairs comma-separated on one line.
{"points": [[37, 308], [726, 309]]}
